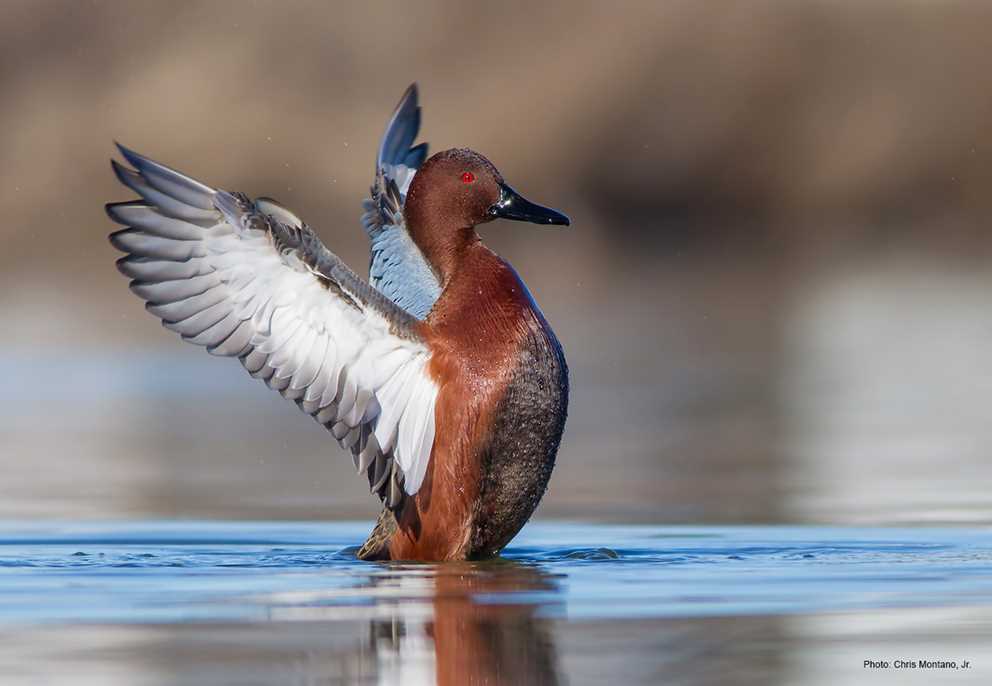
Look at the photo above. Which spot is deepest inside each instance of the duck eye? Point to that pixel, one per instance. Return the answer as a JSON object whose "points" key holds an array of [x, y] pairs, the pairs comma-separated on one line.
{"points": [[468, 177]]}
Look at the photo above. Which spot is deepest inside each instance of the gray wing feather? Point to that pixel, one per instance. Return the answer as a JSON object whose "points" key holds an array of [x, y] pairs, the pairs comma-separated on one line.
{"points": [[170, 182], [402, 129], [248, 279]]}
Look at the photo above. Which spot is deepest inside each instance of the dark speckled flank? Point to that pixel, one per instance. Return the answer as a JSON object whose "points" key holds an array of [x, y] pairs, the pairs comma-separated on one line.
{"points": [[518, 461]]}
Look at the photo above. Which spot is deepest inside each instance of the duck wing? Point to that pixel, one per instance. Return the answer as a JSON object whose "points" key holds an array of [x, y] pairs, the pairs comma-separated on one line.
{"points": [[398, 268], [247, 279]]}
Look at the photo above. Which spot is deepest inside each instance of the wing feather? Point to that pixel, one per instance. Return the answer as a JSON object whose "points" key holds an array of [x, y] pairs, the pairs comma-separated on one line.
{"points": [[248, 279], [157, 292], [397, 267], [165, 203], [170, 182]]}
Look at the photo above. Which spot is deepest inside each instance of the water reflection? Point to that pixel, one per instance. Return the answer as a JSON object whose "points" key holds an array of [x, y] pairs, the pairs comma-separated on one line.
{"points": [[486, 623], [215, 604]]}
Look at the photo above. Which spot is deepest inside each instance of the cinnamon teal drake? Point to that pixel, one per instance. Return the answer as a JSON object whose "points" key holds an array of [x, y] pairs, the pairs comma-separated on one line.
{"points": [[440, 374]]}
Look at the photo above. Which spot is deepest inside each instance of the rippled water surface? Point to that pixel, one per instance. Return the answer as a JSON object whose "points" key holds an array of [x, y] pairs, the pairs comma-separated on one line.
{"points": [[195, 602]]}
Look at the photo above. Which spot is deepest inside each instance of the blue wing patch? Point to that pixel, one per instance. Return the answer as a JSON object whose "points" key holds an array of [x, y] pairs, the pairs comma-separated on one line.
{"points": [[398, 268], [399, 271]]}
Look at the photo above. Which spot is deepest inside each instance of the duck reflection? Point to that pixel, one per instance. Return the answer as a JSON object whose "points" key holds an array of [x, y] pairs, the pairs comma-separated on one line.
{"points": [[484, 623]]}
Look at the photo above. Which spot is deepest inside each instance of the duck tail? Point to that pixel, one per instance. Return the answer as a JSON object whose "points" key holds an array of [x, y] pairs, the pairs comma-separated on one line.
{"points": [[377, 545]]}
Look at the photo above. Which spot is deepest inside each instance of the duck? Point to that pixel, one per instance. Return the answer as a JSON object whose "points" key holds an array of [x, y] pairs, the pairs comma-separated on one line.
{"points": [[439, 373]]}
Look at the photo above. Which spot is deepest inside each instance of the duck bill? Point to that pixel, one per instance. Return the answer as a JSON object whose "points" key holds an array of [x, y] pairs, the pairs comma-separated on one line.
{"points": [[512, 205]]}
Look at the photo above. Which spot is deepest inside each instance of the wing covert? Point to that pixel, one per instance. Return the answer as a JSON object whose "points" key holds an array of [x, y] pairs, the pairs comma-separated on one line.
{"points": [[397, 266]]}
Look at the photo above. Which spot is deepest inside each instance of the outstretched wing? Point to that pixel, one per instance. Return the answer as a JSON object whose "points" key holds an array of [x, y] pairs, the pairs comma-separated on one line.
{"points": [[248, 279], [398, 268]]}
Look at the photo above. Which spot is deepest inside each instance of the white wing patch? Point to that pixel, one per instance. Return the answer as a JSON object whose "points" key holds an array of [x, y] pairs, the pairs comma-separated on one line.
{"points": [[232, 275]]}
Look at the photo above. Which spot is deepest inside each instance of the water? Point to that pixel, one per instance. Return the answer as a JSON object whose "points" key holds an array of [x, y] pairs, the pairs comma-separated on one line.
{"points": [[198, 602]]}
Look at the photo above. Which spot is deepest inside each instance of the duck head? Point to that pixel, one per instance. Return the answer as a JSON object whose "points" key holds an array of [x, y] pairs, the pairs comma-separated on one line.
{"points": [[465, 188], [455, 191]]}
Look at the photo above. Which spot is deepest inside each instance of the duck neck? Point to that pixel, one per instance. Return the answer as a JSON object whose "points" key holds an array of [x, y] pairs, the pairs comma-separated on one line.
{"points": [[444, 245]]}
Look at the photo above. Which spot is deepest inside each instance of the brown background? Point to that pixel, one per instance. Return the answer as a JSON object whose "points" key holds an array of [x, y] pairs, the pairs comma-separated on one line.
{"points": [[774, 296]]}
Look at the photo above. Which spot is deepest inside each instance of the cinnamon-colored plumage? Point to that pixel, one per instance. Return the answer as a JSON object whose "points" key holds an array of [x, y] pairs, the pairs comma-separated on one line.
{"points": [[475, 330], [440, 375]]}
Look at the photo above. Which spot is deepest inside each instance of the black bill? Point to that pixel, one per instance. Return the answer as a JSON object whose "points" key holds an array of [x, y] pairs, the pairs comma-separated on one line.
{"points": [[512, 205]]}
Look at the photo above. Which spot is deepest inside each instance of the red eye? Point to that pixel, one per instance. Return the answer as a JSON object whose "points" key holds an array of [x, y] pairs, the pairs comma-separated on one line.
{"points": [[468, 177]]}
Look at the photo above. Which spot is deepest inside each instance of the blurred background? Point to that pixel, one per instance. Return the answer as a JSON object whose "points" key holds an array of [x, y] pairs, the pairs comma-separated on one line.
{"points": [[774, 296]]}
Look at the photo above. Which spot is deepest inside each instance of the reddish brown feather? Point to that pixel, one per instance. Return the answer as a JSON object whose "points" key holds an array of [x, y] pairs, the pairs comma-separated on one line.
{"points": [[475, 331]]}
